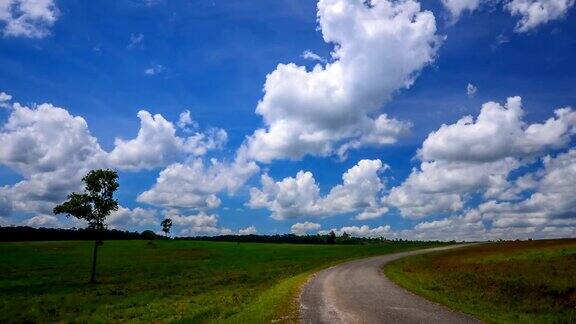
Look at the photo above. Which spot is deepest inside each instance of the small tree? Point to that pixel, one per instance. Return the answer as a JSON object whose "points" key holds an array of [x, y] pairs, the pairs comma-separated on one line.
{"points": [[93, 205], [331, 237], [148, 235], [166, 225], [345, 236]]}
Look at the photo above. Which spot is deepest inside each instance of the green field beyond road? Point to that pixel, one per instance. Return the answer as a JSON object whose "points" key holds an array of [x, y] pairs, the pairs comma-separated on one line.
{"points": [[164, 280], [508, 282]]}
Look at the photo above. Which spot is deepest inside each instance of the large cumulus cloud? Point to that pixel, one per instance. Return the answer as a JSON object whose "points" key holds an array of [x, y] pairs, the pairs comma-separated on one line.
{"points": [[295, 197], [51, 150], [477, 156], [196, 185], [379, 48], [158, 144]]}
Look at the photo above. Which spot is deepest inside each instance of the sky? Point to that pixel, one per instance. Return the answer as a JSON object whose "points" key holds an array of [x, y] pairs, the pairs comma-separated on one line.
{"points": [[435, 120]]}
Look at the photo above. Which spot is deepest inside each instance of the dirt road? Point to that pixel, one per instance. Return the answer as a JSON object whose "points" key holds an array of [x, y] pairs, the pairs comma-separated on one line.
{"points": [[358, 292]]}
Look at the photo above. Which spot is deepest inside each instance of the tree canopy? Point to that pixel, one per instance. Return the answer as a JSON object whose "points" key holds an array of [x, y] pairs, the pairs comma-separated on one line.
{"points": [[96, 202], [93, 205], [166, 225]]}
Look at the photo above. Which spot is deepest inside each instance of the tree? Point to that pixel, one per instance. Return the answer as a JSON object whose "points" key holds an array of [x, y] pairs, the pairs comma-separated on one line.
{"points": [[148, 235], [166, 225], [93, 205], [331, 237]]}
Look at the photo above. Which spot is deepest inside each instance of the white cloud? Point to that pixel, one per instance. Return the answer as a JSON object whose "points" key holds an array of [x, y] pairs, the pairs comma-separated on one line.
{"points": [[471, 90], [458, 7], [5, 202], [309, 55], [199, 224], [534, 13], [552, 203], [498, 132], [289, 198], [5, 99], [52, 150], [248, 230], [304, 228], [157, 144], [124, 217], [468, 227], [477, 156], [379, 49], [27, 18], [480, 225], [379, 131], [548, 213], [41, 139], [185, 121], [363, 231], [153, 70], [199, 220], [500, 40], [43, 221], [441, 186], [300, 196], [136, 41], [194, 185]]}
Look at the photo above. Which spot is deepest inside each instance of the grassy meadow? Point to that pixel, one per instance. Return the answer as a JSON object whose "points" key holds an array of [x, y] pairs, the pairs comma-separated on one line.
{"points": [[164, 281], [507, 282]]}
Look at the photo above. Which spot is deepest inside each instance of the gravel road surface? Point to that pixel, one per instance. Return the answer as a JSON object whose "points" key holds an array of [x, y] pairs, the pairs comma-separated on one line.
{"points": [[358, 292]]}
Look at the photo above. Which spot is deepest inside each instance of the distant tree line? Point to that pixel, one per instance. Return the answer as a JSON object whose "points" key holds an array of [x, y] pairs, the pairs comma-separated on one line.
{"points": [[26, 233], [329, 238], [281, 238]]}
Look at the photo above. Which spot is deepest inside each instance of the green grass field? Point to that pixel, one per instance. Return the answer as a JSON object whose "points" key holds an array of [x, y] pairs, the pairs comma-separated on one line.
{"points": [[164, 281], [511, 282]]}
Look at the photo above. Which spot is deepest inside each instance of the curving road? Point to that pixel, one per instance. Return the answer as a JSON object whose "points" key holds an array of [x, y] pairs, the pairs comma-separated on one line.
{"points": [[358, 292]]}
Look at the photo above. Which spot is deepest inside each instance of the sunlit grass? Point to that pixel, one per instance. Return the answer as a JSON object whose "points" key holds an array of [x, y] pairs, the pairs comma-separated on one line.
{"points": [[531, 281], [163, 281]]}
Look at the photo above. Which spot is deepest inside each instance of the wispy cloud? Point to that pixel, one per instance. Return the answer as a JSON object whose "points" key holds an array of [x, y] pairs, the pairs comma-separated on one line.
{"points": [[309, 55], [136, 41], [156, 69], [471, 90]]}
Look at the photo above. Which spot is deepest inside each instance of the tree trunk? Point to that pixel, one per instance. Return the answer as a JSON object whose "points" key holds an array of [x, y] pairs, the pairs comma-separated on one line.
{"points": [[93, 277]]}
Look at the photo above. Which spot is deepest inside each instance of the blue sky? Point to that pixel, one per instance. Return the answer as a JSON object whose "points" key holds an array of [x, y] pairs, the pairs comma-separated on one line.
{"points": [[105, 61]]}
